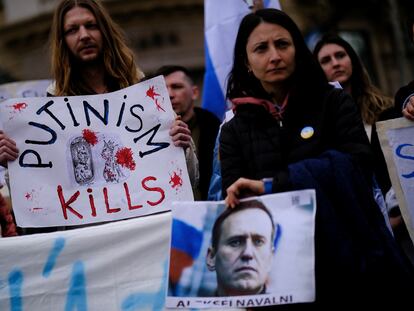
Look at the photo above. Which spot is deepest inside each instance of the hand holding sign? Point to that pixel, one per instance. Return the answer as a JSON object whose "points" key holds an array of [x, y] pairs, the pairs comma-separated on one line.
{"points": [[8, 149], [93, 156]]}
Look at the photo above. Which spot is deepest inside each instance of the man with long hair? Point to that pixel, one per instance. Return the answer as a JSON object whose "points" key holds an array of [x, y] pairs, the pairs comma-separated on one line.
{"points": [[89, 52], [90, 56]]}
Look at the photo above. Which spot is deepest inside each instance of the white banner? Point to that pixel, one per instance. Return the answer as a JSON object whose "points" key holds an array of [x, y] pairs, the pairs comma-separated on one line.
{"points": [[121, 266], [30, 88], [260, 253], [87, 159]]}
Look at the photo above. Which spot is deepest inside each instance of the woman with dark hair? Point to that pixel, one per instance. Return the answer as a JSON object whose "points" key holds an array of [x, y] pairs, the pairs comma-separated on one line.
{"points": [[282, 103], [341, 63], [292, 130]]}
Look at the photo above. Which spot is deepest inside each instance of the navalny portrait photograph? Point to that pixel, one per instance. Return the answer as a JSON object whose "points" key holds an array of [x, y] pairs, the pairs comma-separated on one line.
{"points": [[230, 257]]}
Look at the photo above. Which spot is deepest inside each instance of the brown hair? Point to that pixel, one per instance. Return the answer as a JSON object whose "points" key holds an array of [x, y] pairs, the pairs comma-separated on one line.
{"points": [[369, 98], [118, 59]]}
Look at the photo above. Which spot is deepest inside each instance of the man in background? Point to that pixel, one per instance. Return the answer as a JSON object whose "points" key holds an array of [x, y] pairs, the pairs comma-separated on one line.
{"points": [[203, 124]]}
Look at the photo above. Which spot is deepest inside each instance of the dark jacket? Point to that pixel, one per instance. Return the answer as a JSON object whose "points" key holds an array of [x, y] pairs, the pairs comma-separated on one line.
{"points": [[255, 145], [356, 258], [401, 96], [353, 246], [209, 125]]}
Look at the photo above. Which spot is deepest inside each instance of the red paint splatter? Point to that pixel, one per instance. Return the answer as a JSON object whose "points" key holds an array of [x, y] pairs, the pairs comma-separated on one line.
{"points": [[19, 106], [157, 103], [90, 137], [176, 180], [28, 196], [125, 158], [151, 92]]}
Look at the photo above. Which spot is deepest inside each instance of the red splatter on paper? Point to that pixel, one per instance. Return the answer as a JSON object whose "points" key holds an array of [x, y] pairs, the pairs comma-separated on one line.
{"points": [[28, 196], [176, 181], [157, 103], [90, 137], [19, 106], [151, 92], [125, 158]]}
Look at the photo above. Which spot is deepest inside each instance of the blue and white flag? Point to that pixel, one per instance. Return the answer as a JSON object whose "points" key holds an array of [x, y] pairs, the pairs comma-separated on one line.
{"points": [[221, 22]]}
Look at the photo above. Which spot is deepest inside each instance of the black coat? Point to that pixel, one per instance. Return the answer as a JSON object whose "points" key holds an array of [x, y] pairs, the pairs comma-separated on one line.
{"points": [[209, 125], [400, 97], [356, 258], [255, 145]]}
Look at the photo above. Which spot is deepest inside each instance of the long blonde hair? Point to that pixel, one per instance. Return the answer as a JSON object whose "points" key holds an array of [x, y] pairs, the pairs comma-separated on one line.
{"points": [[118, 59]]}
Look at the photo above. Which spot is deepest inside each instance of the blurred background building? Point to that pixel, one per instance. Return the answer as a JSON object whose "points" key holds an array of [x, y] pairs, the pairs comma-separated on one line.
{"points": [[172, 31]]}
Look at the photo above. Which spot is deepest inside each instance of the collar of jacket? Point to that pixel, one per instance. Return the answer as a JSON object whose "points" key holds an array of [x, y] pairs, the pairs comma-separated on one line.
{"points": [[275, 110]]}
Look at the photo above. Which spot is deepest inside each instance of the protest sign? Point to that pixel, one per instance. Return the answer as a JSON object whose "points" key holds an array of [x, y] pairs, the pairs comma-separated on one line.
{"points": [[94, 158], [397, 142], [120, 266], [260, 253], [30, 88]]}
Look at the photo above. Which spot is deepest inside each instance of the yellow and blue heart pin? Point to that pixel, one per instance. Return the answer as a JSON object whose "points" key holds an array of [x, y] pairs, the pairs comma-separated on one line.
{"points": [[307, 132]]}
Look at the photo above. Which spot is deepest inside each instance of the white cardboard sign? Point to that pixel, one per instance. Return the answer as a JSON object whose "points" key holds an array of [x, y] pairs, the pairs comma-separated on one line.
{"points": [[87, 159]]}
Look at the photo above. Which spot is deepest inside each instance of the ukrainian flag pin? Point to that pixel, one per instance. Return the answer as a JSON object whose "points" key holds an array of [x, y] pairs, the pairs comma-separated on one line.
{"points": [[307, 132]]}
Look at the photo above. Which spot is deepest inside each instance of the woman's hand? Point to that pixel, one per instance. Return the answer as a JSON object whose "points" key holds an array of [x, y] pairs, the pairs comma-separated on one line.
{"points": [[180, 133], [408, 111], [8, 149], [243, 187]]}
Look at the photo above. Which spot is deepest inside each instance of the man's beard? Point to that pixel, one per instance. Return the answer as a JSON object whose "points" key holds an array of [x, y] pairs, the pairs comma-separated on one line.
{"points": [[98, 60]]}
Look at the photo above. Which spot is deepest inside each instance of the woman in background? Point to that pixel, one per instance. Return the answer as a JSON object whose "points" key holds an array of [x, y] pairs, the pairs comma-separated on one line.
{"points": [[341, 63]]}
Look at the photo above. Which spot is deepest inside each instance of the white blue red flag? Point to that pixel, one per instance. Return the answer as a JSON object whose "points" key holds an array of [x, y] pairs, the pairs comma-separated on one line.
{"points": [[221, 22]]}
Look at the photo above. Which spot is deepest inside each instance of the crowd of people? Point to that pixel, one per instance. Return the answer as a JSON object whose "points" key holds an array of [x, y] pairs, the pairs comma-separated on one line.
{"points": [[291, 130]]}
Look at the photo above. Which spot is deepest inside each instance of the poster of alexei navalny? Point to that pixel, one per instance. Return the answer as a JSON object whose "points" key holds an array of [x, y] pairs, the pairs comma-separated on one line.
{"points": [[259, 253]]}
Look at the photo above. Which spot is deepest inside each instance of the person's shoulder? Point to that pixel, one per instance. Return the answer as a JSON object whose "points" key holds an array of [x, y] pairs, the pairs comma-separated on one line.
{"points": [[406, 89], [206, 114], [333, 94], [402, 94]]}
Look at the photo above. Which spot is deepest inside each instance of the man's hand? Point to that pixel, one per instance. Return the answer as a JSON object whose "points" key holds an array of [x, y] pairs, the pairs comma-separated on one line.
{"points": [[8, 149], [408, 111], [180, 133], [243, 187]]}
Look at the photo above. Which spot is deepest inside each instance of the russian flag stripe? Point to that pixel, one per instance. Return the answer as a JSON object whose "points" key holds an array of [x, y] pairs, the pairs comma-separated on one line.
{"points": [[222, 19], [186, 238], [213, 97]]}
